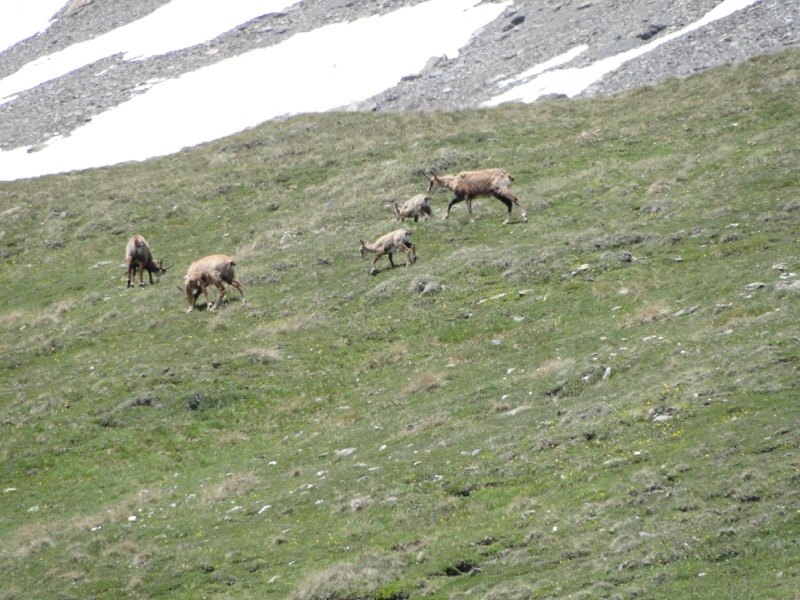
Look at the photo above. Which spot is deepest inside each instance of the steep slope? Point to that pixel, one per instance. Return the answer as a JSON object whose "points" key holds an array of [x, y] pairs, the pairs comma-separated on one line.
{"points": [[600, 402]]}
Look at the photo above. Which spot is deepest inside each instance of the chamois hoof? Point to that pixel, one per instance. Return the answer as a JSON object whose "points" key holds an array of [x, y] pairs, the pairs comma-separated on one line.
{"points": [[141, 284]]}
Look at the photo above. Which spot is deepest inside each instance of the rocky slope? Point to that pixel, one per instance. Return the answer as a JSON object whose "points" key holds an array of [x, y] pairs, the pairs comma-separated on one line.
{"points": [[528, 33]]}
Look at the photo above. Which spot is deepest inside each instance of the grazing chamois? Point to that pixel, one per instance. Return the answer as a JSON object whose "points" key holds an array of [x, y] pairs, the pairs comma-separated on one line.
{"points": [[139, 258], [216, 270], [415, 207], [396, 241], [472, 184]]}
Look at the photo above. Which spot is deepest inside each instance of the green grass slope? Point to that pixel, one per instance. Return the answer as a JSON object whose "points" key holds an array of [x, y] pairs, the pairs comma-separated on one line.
{"points": [[599, 403]]}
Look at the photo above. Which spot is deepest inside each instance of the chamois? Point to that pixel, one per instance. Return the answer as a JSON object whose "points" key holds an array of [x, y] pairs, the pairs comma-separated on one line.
{"points": [[472, 184], [396, 241], [416, 207], [211, 270], [139, 258]]}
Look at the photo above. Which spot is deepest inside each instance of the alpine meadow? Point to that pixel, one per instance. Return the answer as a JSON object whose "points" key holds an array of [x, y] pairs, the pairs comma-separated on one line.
{"points": [[600, 402]]}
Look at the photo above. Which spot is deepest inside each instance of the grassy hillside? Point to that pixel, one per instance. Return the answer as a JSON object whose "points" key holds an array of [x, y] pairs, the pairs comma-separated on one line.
{"points": [[601, 402]]}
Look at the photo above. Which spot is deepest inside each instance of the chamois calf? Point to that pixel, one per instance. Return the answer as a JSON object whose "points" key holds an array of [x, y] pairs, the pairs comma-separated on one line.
{"points": [[415, 207], [216, 270], [396, 241], [472, 184], [139, 258]]}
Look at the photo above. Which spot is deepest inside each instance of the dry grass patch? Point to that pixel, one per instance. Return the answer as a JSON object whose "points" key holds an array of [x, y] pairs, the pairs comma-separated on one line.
{"points": [[603, 289], [260, 356], [14, 319], [649, 313], [229, 438], [659, 187], [297, 321], [232, 486], [500, 406], [120, 511], [427, 423], [395, 354], [424, 382], [636, 290], [28, 540], [359, 578], [558, 366], [288, 406]]}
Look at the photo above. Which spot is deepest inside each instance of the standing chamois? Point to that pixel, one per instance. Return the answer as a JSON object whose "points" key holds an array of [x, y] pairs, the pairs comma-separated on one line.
{"points": [[415, 207], [472, 184], [211, 270], [396, 241], [139, 258]]}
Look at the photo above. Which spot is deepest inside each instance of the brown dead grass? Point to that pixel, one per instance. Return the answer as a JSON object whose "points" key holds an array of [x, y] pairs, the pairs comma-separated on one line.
{"points": [[366, 573], [424, 382], [558, 366], [649, 313], [232, 486]]}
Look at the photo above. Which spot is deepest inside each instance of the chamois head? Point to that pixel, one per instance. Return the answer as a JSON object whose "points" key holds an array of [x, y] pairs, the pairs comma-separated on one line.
{"points": [[160, 268]]}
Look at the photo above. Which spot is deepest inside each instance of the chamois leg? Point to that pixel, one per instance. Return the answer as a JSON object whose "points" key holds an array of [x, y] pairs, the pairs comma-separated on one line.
{"points": [[411, 253], [193, 293], [455, 200], [373, 270], [508, 205], [508, 198], [220, 296], [130, 269]]}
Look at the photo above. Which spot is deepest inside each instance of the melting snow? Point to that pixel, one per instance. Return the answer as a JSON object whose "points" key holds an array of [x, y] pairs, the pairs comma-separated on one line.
{"points": [[315, 71]]}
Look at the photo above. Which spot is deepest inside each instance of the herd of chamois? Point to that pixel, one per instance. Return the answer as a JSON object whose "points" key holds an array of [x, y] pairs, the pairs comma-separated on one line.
{"points": [[218, 269]]}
